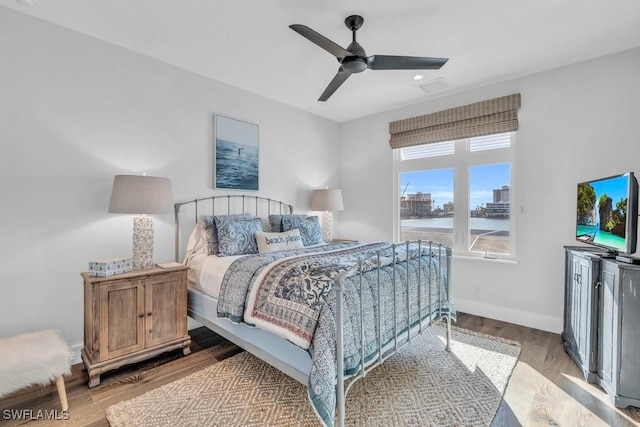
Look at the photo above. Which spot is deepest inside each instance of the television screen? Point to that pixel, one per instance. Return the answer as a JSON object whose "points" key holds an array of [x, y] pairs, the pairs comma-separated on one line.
{"points": [[607, 213]]}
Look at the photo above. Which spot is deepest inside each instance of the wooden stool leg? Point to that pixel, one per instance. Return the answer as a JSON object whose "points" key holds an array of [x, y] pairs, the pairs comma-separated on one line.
{"points": [[62, 392]]}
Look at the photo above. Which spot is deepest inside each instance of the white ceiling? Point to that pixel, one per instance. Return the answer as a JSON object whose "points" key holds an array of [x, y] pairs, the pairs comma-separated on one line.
{"points": [[247, 43]]}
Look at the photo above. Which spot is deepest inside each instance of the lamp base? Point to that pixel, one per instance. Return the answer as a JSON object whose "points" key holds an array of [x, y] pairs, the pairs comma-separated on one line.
{"points": [[142, 242], [327, 226]]}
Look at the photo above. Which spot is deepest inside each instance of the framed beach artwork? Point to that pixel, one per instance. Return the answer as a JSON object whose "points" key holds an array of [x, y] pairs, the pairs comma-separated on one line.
{"points": [[235, 154]]}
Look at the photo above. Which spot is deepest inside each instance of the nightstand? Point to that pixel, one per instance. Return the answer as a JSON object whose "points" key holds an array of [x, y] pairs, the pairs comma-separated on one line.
{"points": [[133, 316]]}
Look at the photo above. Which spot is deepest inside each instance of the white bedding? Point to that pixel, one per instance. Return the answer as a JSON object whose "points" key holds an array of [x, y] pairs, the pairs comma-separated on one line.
{"points": [[206, 272]]}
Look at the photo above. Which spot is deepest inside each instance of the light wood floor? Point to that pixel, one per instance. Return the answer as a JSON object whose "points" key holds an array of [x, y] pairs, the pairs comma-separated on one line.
{"points": [[546, 387]]}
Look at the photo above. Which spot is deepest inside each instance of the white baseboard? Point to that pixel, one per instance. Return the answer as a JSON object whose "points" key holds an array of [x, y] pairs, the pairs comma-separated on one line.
{"points": [[505, 314], [76, 349]]}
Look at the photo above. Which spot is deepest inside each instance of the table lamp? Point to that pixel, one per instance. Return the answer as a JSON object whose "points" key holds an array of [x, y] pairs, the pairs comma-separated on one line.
{"points": [[327, 201], [141, 195]]}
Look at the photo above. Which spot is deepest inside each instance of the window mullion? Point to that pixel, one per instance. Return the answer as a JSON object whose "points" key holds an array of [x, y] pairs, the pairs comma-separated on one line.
{"points": [[460, 191]]}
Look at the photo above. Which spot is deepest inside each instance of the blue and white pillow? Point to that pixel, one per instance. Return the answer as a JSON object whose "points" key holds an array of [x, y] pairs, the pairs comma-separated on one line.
{"points": [[210, 232], [237, 236], [275, 221], [309, 226]]}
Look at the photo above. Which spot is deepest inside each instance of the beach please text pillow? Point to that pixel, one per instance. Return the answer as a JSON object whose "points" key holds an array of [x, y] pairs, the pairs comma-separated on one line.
{"points": [[271, 242]]}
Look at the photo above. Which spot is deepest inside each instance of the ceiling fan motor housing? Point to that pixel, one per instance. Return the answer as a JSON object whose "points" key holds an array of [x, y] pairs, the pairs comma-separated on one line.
{"points": [[354, 64]]}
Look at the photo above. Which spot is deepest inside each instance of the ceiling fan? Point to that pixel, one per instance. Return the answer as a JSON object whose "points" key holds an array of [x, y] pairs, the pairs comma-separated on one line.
{"points": [[353, 59]]}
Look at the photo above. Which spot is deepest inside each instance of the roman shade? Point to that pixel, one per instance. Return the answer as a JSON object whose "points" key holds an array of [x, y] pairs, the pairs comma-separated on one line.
{"points": [[488, 117]]}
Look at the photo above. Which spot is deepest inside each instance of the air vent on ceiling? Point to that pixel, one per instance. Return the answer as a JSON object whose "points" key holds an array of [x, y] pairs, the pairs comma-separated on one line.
{"points": [[435, 85]]}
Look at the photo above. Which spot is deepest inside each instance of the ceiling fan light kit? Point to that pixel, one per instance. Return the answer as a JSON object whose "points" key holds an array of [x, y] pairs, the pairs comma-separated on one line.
{"points": [[354, 59]]}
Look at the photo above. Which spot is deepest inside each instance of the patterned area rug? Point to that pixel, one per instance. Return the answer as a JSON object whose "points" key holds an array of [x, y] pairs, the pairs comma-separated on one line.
{"points": [[421, 385]]}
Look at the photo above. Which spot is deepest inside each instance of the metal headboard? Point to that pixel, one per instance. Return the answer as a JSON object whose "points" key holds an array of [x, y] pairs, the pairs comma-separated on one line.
{"points": [[235, 203]]}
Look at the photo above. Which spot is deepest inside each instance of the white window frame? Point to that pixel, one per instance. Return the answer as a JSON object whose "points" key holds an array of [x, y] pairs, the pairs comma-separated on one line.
{"points": [[460, 162]]}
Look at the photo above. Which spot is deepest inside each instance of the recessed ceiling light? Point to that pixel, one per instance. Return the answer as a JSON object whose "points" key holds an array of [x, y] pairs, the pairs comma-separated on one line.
{"points": [[418, 77]]}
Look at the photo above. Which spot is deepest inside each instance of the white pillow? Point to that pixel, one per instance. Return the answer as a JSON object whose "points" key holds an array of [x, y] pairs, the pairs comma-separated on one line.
{"points": [[271, 242], [196, 244]]}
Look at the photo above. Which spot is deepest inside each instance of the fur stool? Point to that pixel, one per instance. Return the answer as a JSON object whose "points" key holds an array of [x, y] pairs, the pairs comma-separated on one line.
{"points": [[34, 358]]}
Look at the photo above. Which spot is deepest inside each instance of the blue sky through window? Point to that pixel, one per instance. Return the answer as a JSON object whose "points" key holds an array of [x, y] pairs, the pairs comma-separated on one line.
{"points": [[439, 183], [483, 179]]}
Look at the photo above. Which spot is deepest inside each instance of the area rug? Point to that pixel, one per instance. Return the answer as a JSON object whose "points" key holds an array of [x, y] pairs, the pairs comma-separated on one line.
{"points": [[422, 385]]}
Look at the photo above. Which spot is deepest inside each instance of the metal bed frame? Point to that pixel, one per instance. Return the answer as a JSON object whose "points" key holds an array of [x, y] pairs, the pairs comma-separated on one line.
{"points": [[243, 203]]}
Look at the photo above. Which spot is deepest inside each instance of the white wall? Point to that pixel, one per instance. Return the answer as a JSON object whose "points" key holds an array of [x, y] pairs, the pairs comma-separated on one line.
{"points": [[74, 112], [576, 123]]}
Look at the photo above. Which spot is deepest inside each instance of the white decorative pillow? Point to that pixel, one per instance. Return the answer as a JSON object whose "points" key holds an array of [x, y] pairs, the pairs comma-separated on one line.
{"points": [[196, 244], [271, 242]]}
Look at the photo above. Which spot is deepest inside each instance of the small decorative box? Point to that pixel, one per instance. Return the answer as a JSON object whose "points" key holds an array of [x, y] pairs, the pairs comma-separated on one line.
{"points": [[109, 267]]}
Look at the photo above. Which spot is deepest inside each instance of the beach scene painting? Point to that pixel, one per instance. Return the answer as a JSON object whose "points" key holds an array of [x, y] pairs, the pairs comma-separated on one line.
{"points": [[235, 154]]}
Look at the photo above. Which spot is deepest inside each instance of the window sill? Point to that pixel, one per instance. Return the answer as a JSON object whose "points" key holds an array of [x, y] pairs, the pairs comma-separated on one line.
{"points": [[488, 259]]}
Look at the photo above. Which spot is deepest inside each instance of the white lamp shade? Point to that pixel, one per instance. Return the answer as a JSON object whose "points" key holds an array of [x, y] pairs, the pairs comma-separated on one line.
{"points": [[137, 194], [327, 200]]}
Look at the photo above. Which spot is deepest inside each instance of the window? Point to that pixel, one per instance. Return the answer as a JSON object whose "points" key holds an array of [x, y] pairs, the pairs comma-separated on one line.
{"points": [[459, 193], [426, 205]]}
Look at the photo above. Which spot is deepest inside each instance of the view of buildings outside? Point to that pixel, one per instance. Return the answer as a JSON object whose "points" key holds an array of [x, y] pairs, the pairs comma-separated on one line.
{"points": [[426, 207]]}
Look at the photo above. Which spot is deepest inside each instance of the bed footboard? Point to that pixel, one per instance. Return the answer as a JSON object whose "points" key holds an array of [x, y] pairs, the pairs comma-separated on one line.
{"points": [[438, 260]]}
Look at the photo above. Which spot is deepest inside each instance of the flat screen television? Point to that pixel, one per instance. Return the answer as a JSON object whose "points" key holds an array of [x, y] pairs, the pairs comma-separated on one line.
{"points": [[607, 213]]}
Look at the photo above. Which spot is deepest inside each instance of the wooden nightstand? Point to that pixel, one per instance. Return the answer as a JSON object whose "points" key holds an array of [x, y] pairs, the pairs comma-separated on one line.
{"points": [[133, 316]]}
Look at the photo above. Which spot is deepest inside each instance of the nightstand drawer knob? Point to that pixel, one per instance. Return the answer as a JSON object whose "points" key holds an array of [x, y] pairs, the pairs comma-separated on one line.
{"points": [[149, 314], [141, 315]]}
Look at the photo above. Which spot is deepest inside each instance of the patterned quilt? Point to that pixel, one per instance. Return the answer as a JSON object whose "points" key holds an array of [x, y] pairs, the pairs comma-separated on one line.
{"points": [[290, 294]]}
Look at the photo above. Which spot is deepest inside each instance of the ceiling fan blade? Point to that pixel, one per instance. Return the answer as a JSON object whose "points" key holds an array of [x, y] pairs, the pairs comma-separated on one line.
{"points": [[387, 62], [320, 40], [334, 84]]}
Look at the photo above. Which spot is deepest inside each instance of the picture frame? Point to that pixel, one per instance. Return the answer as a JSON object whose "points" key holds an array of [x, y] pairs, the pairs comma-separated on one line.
{"points": [[236, 154]]}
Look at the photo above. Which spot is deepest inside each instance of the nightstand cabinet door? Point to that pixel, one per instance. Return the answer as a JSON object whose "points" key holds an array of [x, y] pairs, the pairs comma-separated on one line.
{"points": [[121, 308], [166, 317]]}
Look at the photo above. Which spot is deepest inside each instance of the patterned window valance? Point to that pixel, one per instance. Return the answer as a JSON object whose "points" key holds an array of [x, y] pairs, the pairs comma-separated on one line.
{"points": [[496, 115]]}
